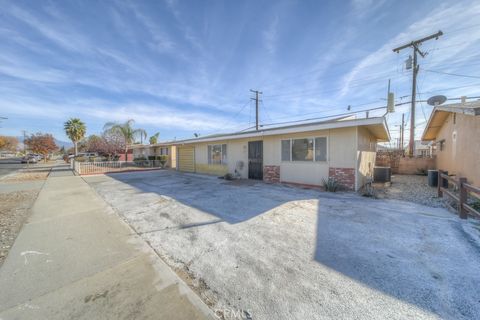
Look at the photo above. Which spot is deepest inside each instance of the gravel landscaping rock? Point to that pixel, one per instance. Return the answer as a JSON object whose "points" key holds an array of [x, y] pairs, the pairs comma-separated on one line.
{"points": [[411, 188]]}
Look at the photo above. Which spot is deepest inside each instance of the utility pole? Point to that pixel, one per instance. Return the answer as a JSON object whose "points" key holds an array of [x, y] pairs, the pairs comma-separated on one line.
{"points": [[256, 106], [24, 132], [415, 45], [402, 130]]}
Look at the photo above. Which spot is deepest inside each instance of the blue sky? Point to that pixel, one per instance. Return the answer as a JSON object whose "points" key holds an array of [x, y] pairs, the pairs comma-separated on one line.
{"points": [[179, 67]]}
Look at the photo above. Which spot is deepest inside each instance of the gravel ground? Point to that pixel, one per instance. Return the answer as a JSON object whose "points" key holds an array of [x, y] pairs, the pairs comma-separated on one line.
{"points": [[411, 188], [276, 252]]}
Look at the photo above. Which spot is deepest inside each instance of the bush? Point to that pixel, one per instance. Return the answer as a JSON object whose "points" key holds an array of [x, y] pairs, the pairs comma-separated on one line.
{"points": [[140, 158], [330, 185], [163, 160], [81, 159]]}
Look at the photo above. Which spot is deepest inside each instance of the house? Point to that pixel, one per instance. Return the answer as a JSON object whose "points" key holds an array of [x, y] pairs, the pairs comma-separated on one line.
{"points": [[455, 129], [141, 151], [422, 149], [304, 154]]}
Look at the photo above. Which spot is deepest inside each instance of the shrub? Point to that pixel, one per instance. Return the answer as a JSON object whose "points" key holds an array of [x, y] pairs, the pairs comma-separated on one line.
{"points": [[81, 159], [228, 176], [163, 160], [422, 171], [330, 184]]}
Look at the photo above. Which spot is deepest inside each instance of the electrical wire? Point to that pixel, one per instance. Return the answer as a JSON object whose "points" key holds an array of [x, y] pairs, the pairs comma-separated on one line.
{"points": [[452, 74]]}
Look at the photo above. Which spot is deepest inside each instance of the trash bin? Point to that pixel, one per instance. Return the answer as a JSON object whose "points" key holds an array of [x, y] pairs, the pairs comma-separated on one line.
{"points": [[432, 178]]}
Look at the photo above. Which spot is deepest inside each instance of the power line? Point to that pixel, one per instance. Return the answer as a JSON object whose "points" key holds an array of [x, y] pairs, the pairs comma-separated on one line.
{"points": [[415, 44], [308, 92], [324, 117], [453, 74], [241, 109]]}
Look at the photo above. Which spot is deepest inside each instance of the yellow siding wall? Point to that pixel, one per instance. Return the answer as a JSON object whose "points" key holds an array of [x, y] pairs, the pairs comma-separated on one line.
{"points": [[366, 154], [460, 156]]}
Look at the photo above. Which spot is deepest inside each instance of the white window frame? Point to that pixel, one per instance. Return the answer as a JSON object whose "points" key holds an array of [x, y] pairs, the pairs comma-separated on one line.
{"points": [[314, 146], [222, 162]]}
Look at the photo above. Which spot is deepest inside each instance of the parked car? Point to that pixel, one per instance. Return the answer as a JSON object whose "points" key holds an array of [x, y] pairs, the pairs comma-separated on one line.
{"points": [[29, 159]]}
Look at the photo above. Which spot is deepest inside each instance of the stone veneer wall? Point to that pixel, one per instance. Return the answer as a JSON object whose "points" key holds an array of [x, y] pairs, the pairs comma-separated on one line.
{"points": [[271, 174], [344, 176]]}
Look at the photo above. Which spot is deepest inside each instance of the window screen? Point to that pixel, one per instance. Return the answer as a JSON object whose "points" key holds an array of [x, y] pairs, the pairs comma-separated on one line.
{"points": [[302, 150], [321, 149], [286, 150]]}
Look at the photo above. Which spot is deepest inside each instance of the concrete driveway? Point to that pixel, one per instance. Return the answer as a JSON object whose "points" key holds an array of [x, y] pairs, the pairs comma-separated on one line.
{"points": [[276, 252]]}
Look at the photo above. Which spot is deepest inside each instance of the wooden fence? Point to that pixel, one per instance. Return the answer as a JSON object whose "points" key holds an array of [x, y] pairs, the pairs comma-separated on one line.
{"points": [[460, 192], [100, 167]]}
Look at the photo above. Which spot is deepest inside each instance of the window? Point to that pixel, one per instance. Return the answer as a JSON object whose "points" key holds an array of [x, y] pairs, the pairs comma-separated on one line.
{"points": [[321, 149], [164, 151], [217, 154], [302, 149], [286, 151], [307, 149]]}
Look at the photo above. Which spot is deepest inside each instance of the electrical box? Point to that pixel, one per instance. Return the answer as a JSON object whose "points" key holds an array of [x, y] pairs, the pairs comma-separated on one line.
{"points": [[391, 102], [408, 63]]}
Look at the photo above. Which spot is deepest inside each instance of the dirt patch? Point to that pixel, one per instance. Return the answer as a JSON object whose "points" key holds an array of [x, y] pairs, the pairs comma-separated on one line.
{"points": [[14, 210], [23, 176]]}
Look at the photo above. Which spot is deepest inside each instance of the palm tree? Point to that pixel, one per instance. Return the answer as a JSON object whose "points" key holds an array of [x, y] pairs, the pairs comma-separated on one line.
{"points": [[154, 139], [127, 131], [75, 129]]}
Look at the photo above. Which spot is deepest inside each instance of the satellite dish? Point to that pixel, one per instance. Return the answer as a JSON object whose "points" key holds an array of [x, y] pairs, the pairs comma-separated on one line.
{"points": [[436, 100]]}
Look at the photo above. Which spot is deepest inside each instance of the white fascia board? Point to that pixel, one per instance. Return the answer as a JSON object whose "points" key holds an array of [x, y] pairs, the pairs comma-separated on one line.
{"points": [[293, 129]]}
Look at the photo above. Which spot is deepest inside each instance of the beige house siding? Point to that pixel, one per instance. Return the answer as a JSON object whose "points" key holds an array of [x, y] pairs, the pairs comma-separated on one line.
{"points": [[366, 154], [341, 153], [460, 154]]}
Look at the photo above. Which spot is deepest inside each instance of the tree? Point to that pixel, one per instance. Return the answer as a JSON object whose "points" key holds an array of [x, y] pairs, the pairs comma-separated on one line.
{"points": [[75, 129], [8, 143], [41, 143], [154, 139], [127, 131]]}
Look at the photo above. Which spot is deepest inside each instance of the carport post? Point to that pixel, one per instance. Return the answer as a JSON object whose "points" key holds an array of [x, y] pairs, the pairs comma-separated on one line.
{"points": [[462, 198]]}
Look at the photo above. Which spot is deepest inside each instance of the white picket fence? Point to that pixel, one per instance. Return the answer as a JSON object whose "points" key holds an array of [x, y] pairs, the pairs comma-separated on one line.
{"points": [[114, 166]]}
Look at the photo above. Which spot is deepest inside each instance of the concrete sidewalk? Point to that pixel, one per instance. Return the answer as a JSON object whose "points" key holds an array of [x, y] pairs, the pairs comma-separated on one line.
{"points": [[76, 259]]}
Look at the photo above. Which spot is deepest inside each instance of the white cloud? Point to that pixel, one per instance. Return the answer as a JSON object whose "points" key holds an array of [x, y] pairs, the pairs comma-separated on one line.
{"points": [[270, 35], [445, 18]]}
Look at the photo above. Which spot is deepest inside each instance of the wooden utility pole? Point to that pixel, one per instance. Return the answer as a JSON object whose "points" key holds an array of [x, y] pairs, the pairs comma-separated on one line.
{"points": [[402, 130], [415, 45], [24, 138], [256, 106]]}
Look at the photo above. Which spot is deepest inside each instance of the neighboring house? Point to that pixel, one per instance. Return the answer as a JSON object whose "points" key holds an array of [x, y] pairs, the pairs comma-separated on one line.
{"points": [[455, 129], [158, 149], [422, 149], [301, 154]]}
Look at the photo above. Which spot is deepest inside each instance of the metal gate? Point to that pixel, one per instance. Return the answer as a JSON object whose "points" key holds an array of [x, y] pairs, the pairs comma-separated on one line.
{"points": [[255, 160]]}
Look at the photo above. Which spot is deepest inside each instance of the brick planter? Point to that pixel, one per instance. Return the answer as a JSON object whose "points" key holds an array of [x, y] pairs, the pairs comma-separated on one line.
{"points": [[271, 174], [344, 176]]}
